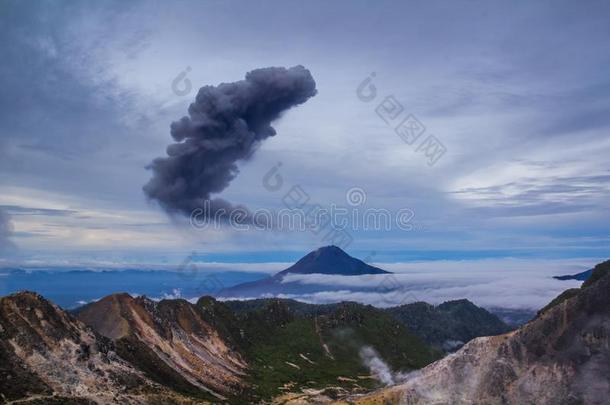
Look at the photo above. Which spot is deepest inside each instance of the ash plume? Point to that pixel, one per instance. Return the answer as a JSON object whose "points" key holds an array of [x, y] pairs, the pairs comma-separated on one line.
{"points": [[224, 125]]}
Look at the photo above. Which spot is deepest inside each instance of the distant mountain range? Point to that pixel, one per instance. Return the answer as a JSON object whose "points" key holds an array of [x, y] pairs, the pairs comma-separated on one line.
{"points": [[329, 260], [133, 350], [578, 276]]}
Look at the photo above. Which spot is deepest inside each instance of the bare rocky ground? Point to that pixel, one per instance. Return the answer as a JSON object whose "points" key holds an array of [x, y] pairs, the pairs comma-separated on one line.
{"points": [[561, 357], [49, 357]]}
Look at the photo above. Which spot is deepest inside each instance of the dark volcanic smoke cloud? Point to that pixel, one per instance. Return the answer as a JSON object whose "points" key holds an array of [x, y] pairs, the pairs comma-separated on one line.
{"points": [[224, 125]]}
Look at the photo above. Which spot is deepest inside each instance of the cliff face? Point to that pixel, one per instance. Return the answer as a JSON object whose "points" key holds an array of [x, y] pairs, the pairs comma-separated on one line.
{"points": [[561, 357], [47, 354], [171, 341]]}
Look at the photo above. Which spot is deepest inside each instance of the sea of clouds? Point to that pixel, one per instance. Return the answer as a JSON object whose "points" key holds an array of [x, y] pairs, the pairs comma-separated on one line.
{"points": [[491, 283]]}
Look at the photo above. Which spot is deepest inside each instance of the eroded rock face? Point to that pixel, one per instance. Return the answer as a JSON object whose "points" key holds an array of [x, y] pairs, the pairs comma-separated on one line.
{"points": [[561, 357], [171, 341], [44, 352]]}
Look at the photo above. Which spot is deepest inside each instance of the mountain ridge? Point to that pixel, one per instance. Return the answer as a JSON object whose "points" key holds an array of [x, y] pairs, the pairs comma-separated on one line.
{"points": [[450, 324], [172, 340], [212, 351], [47, 354], [269, 339], [582, 276], [560, 357]]}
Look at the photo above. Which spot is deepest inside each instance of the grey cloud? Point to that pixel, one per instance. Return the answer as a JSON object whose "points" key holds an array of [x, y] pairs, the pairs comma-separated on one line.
{"points": [[19, 210], [540, 196], [488, 91], [574, 121], [555, 112], [580, 109], [47, 107], [226, 123], [530, 210], [6, 230]]}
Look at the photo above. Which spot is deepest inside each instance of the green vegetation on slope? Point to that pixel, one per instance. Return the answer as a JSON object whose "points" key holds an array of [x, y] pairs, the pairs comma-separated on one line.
{"points": [[290, 346], [458, 320]]}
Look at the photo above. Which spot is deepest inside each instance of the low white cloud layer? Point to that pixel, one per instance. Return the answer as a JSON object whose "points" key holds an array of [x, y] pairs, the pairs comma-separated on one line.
{"points": [[503, 283]]}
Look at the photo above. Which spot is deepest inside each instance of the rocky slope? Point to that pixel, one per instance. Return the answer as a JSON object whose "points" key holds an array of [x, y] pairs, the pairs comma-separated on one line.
{"points": [[561, 357], [47, 355], [172, 341]]}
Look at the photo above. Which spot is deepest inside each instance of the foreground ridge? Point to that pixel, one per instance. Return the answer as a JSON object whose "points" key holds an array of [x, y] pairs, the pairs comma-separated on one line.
{"points": [[47, 354], [562, 356]]}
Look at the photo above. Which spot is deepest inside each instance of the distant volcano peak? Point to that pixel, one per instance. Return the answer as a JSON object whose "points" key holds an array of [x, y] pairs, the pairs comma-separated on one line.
{"points": [[330, 250], [331, 260]]}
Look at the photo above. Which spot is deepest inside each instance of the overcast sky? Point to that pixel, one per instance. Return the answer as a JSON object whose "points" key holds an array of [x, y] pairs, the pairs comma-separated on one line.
{"points": [[518, 93]]}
